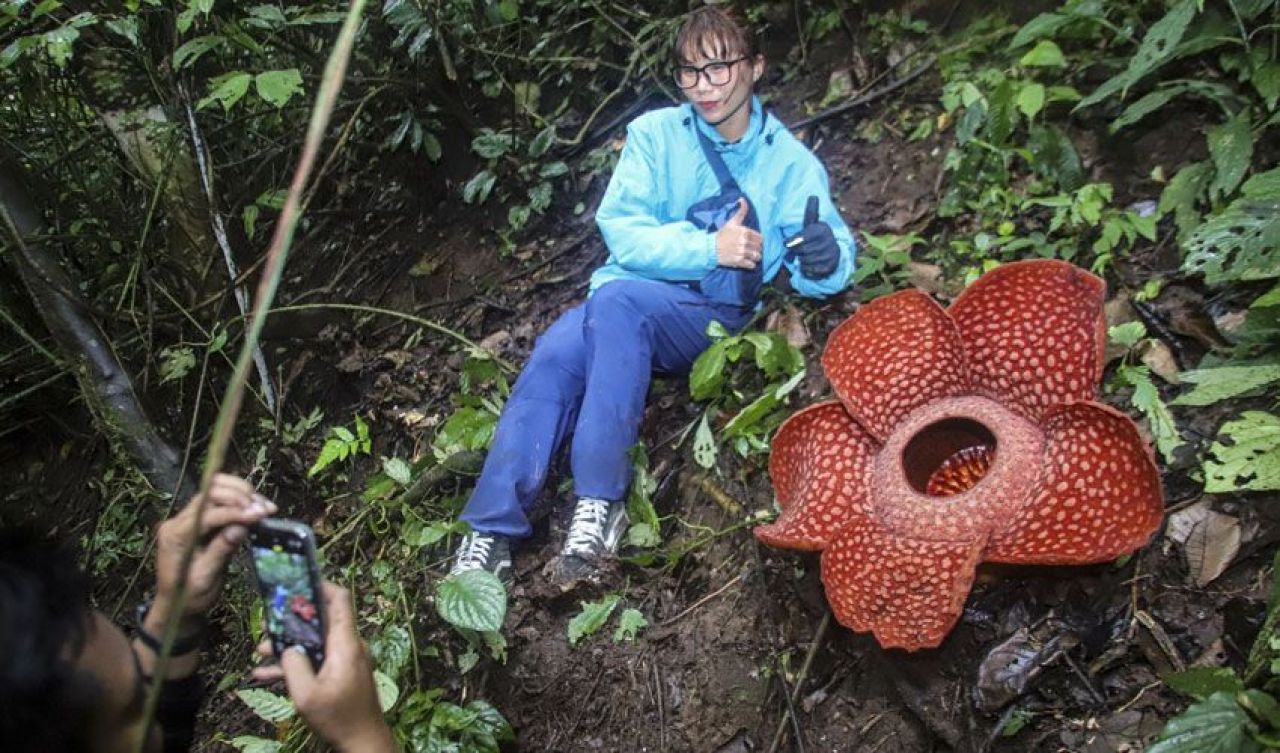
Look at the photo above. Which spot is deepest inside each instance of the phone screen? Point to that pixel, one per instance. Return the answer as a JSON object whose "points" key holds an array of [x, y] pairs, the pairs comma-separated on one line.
{"points": [[291, 603]]}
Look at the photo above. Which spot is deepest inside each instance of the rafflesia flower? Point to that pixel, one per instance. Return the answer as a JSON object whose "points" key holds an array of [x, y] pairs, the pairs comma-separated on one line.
{"points": [[962, 435]]}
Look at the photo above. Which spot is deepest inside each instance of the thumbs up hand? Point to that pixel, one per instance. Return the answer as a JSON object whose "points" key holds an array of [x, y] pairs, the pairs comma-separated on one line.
{"points": [[815, 245], [736, 244]]}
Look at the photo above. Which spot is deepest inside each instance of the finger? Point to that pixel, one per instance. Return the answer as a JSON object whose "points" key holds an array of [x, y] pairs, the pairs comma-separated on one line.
{"points": [[811, 211], [299, 675], [264, 649], [741, 215], [212, 559], [267, 673], [215, 518], [341, 639]]}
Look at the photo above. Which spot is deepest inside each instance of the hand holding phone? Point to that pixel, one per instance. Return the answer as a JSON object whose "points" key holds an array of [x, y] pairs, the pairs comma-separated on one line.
{"points": [[283, 553], [340, 702]]}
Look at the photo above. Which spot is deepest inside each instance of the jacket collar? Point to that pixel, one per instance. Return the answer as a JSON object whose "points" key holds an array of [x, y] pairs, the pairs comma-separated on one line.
{"points": [[761, 124]]}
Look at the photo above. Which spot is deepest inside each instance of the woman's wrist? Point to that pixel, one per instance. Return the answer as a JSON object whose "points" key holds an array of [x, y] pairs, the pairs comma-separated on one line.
{"points": [[377, 738]]}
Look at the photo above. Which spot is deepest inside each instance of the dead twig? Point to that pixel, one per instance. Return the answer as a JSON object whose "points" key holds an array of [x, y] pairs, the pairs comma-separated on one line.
{"points": [[818, 637], [717, 494], [705, 599]]}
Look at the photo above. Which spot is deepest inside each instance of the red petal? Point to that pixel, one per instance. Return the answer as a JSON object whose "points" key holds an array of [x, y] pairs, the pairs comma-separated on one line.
{"points": [[908, 592], [1034, 334], [1098, 496], [820, 465], [892, 356]]}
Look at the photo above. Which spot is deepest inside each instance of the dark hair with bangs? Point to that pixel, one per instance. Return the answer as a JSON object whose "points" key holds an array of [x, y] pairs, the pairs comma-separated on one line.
{"points": [[717, 33], [45, 701]]}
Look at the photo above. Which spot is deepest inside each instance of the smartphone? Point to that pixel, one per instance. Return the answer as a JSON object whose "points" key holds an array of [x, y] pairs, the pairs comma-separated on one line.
{"points": [[283, 553]]}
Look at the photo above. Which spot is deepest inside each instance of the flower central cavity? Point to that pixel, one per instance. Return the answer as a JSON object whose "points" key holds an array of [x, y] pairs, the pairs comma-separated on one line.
{"points": [[948, 457]]}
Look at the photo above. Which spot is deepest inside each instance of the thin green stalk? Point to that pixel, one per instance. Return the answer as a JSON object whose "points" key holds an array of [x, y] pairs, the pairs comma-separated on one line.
{"points": [[326, 99], [25, 335], [397, 314]]}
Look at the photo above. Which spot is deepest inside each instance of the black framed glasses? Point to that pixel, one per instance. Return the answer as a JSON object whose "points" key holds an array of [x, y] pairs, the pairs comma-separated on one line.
{"points": [[717, 73]]}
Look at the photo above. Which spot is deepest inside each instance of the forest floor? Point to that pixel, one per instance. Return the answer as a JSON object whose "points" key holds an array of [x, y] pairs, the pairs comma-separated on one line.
{"points": [[1043, 659]]}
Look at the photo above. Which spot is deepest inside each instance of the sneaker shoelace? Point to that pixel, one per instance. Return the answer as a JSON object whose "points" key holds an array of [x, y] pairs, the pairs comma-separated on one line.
{"points": [[473, 553], [586, 532]]}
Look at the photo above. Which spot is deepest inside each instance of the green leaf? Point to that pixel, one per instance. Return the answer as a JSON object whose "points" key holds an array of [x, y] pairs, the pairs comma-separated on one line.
{"points": [[1246, 456], [388, 691], [1046, 54], [469, 428], [1145, 106], [431, 146], [191, 51], [704, 445], [491, 144], [1043, 25], [1215, 725], [1128, 334], [392, 649], [1055, 157], [1261, 706], [552, 170], [593, 616], [1241, 242], [630, 623], [1158, 47], [707, 375], [1231, 147], [1146, 398], [126, 27], [1031, 99], [1266, 79], [1202, 682], [332, 451], [478, 188], [175, 363], [227, 90], [509, 10], [542, 142], [398, 470], [1183, 193], [250, 217], [278, 87], [746, 419], [474, 599], [251, 744], [1221, 383], [267, 705]]}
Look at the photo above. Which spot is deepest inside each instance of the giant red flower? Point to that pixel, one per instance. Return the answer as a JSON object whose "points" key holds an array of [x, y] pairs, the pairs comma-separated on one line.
{"points": [[962, 435]]}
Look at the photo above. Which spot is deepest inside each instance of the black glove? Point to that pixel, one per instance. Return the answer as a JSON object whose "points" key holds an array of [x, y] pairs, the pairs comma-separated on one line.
{"points": [[815, 245]]}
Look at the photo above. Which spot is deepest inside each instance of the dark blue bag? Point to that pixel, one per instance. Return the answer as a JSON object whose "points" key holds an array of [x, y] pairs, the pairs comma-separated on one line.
{"points": [[731, 285]]}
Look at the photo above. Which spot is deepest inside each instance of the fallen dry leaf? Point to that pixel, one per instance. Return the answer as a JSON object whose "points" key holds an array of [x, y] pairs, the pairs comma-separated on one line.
{"points": [[789, 322], [1159, 358], [1209, 539]]}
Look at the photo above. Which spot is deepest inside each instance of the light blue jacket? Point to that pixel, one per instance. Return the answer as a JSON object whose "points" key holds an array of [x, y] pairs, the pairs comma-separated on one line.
{"points": [[662, 172]]}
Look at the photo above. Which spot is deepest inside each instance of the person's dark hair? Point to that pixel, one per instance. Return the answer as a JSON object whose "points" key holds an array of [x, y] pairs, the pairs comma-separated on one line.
{"points": [[716, 33], [45, 702]]}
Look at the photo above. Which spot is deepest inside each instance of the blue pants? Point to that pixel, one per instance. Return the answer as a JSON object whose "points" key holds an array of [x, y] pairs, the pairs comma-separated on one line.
{"points": [[589, 374]]}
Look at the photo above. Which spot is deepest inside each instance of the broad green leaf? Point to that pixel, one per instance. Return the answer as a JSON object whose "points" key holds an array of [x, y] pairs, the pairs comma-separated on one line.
{"points": [[398, 470], [1246, 456], [251, 744], [431, 146], [644, 529], [392, 649], [191, 51], [266, 16], [1241, 242], [1145, 106], [1269, 298], [491, 144], [1221, 383], [474, 599], [1031, 99], [175, 363], [1002, 114], [542, 142], [704, 445], [1043, 25], [1202, 682], [1146, 398], [1046, 54], [553, 170], [468, 428], [1184, 192], [267, 705], [1158, 47], [332, 451], [126, 27], [249, 215], [1055, 157], [707, 375], [1266, 79], [322, 17], [278, 87], [593, 616], [1215, 725], [227, 90], [417, 534], [477, 189], [746, 419], [388, 691], [1128, 334], [508, 9], [1231, 147], [630, 622]]}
